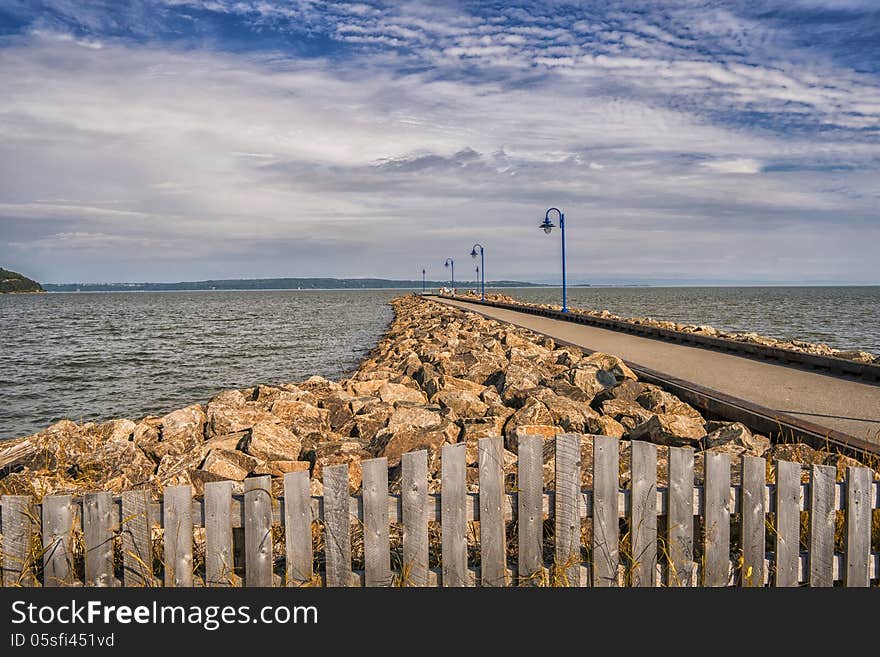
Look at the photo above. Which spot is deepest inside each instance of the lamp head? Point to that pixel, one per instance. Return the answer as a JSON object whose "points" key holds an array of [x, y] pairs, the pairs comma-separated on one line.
{"points": [[474, 252], [547, 225]]}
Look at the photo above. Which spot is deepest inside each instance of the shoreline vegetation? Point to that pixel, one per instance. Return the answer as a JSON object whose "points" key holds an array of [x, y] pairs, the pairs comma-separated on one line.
{"points": [[819, 349], [439, 375], [14, 283], [268, 284]]}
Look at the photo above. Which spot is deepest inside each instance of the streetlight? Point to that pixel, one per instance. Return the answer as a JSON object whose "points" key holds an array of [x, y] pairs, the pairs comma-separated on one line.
{"points": [[548, 226], [477, 279], [423, 281], [451, 263], [481, 269]]}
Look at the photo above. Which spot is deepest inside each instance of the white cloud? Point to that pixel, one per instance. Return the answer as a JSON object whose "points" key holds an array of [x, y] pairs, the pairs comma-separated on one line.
{"points": [[741, 165], [364, 167]]}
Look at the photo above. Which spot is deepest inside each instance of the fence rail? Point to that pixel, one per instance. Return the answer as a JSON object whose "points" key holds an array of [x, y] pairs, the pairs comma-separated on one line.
{"points": [[715, 534]]}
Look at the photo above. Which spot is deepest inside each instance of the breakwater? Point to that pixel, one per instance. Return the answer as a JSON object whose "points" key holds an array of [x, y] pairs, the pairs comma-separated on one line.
{"points": [[439, 375]]}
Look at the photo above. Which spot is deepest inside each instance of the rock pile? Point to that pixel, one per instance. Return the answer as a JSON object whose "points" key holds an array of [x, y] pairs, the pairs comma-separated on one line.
{"points": [[820, 349], [440, 375]]}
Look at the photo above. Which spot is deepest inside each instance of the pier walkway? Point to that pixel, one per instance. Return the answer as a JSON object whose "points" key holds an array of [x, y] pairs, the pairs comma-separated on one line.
{"points": [[837, 403]]}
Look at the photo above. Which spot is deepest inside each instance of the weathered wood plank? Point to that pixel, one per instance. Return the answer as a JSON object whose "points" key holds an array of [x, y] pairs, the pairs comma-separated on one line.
{"points": [[377, 543], [58, 523], [858, 526], [788, 492], [716, 541], [493, 560], [753, 513], [258, 531], [297, 528], [680, 517], [529, 517], [567, 510], [98, 538], [643, 514], [17, 526], [606, 532], [414, 491], [178, 536], [822, 484], [219, 559], [337, 526], [453, 523], [137, 541]]}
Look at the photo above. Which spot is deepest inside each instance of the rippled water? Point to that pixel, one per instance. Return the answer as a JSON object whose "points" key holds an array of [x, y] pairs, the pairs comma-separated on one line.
{"points": [[101, 355], [842, 317], [94, 356]]}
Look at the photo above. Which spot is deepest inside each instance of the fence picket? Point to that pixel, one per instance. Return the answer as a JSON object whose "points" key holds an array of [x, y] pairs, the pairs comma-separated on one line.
{"points": [[753, 513], [137, 540], [258, 531], [858, 526], [178, 536], [716, 540], [453, 521], [680, 517], [377, 544], [297, 528], [98, 538], [337, 526], [643, 513], [823, 479], [788, 520], [58, 523], [529, 513], [567, 509], [606, 532], [493, 561], [414, 491], [17, 526], [219, 559]]}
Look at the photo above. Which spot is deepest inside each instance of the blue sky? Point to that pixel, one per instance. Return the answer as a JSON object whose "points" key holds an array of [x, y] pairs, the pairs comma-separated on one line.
{"points": [[686, 141]]}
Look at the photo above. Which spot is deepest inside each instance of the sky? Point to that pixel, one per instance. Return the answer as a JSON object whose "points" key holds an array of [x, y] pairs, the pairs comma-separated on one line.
{"points": [[685, 140]]}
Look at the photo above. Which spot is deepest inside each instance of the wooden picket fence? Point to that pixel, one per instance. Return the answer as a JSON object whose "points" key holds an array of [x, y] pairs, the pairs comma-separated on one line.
{"points": [[640, 536]]}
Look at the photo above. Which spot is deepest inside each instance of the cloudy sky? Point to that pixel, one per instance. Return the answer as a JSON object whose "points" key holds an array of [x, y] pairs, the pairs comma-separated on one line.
{"points": [[685, 140]]}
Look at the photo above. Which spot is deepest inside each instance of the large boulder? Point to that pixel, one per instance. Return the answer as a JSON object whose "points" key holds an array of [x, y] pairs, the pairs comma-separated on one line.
{"points": [[610, 364], [669, 429], [183, 429], [120, 430], [393, 444], [517, 378], [465, 403], [735, 438], [114, 466], [482, 427], [591, 380], [350, 453], [657, 400], [273, 442], [603, 425], [230, 464], [534, 412], [628, 413], [414, 416], [396, 392], [307, 421]]}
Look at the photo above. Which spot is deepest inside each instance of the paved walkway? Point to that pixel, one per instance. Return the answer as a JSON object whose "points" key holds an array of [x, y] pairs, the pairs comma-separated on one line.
{"points": [[842, 404]]}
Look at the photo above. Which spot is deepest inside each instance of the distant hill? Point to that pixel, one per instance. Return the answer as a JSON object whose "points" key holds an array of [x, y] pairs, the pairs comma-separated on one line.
{"points": [[12, 282], [271, 284]]}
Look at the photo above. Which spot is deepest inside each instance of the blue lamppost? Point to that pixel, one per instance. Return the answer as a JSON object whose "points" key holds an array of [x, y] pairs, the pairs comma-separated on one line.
{"points": [[548, 226], [451, 263], [423, 281], [482, 268]]}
